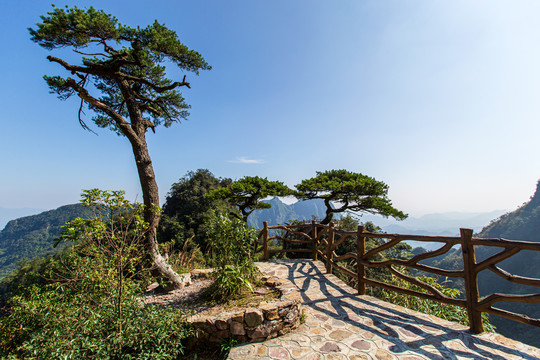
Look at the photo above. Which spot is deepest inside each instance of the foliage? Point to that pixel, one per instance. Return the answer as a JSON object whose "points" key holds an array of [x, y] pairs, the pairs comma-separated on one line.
{"points": [[227, 345], [230, 242], [83, 303], [352, 191], [126, 67], [31, 237], [185, 259], [52, 322], [186, 210], [125, 64], [248, 192]]}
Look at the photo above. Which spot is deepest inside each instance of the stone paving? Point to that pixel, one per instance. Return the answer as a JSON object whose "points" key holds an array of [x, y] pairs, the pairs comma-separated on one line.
{"points": [[339, 324]]}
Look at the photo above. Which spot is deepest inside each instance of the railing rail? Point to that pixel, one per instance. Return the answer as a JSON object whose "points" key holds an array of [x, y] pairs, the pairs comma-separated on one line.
{"points": [[322, 240]]}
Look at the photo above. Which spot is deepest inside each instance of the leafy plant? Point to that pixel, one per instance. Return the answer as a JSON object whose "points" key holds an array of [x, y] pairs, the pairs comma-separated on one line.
{"points": [[84, 303], [227, 345], [231, 242]]}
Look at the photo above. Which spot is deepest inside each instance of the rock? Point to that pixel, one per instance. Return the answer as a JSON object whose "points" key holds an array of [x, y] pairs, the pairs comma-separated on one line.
{"points": [[270, 312], [330, 347], [237, 328], [253, 317], [201, 273], [221, 324], [238, 317]]}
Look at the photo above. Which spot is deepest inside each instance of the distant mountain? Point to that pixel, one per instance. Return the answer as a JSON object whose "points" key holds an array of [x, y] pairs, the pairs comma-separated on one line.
{"points": [[281, 213], [32, 236], [7, 214], [521, 224], [435, 224]]}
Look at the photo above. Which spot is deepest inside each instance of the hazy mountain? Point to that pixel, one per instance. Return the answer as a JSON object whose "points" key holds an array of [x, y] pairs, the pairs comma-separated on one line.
{"points": [[436, 224], [281, 213], [32, 236], [521, 224]]}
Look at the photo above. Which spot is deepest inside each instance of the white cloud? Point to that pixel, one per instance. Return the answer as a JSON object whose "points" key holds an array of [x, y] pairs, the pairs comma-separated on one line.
{"points": [[244, 160]]}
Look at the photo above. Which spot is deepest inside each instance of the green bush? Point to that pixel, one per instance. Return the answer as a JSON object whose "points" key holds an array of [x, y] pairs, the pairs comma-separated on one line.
{"points": [[231, 243], [84, 303], [52, 322]]}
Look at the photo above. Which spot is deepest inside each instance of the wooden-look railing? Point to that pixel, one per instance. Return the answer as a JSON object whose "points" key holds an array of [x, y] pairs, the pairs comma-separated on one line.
{"points": [[322, 240]]}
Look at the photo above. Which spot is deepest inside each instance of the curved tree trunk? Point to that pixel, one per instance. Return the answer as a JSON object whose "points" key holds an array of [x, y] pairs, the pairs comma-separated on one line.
{"points": [[329, 212], [151, 199]]}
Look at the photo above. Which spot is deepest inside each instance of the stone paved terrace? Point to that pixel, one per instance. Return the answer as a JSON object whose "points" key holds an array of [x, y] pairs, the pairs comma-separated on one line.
{"points": [[340, 324]]}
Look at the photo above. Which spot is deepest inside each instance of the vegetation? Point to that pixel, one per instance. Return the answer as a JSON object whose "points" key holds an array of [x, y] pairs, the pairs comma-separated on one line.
{"points": [[352, 191], [125, 66], [248, 192], [83, 303], [231, 241], [444, 311], [521, 224], [186, 211]]}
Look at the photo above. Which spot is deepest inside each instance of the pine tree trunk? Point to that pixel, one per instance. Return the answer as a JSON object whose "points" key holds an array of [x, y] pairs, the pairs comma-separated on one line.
{"points": [[151, 198], [329, 212]]}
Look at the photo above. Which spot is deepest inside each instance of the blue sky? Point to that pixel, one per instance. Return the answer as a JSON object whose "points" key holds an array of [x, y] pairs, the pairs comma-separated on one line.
{"points": [[438, 99]]}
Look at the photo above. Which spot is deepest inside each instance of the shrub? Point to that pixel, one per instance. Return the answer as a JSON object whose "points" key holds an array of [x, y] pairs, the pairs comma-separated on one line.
{"points": [[83, 304], [231, 243]]}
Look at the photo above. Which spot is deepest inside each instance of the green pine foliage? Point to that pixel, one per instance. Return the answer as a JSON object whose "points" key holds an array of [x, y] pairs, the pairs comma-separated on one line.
{"points": [[118, 58], [353, 192], [248, 192]]}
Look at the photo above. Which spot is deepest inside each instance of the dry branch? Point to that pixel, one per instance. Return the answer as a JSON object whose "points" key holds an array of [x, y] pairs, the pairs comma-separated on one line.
{"points": [[383, 247], [513, 316]]}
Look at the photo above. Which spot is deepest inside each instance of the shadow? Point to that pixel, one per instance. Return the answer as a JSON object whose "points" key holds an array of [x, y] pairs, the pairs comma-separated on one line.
{"points": [[384, 321]]}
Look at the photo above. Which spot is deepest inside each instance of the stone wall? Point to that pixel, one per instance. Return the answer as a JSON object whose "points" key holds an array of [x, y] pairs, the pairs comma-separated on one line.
{"points": [[268, 320]]}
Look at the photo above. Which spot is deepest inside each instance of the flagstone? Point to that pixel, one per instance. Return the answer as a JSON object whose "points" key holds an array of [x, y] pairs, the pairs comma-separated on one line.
{"points": [[339, 324]]}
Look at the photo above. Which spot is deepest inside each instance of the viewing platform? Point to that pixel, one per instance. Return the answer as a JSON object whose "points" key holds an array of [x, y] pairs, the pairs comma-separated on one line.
{"points": [[340, 324]]}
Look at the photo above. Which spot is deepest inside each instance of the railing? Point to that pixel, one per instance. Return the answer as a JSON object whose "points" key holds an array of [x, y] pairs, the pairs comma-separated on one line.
{"points": [[322, 240]]}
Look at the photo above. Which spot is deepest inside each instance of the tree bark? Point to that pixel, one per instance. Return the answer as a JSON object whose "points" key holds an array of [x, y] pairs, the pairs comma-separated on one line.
{"points": [[329, 212], [151, 199], [135, 131]]}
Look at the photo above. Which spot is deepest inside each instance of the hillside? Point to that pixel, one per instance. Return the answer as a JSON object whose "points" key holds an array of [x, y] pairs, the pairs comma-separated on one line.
{"points": [[32, 236], [521, 224]]}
